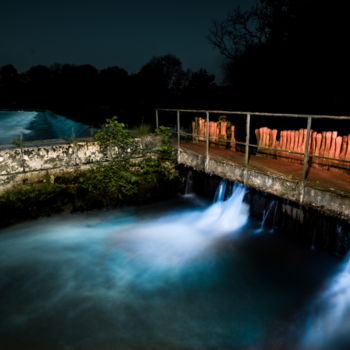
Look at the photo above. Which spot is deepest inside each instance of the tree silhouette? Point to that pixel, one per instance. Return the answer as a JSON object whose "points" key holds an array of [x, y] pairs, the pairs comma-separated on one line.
{"points": [[9, 86], [164, 73], [287, 55], [90, 96]]}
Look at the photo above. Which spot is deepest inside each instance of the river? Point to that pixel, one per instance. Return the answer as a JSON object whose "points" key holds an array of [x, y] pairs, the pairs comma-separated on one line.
{"points": [[184, 274]]}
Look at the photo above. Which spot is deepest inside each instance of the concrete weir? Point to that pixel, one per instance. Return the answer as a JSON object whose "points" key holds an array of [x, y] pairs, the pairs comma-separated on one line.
{"points": [[327, 200], [34, 160]]}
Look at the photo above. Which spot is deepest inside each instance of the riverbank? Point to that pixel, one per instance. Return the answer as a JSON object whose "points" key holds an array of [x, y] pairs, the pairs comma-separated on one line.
{"points": [[115, 169], [82, 190]]}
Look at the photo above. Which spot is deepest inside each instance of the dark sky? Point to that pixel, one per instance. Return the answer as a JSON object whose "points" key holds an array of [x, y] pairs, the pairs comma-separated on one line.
{"points": [[105, 32]]}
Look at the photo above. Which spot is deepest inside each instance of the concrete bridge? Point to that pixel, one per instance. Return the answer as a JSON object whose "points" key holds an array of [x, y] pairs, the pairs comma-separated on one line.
{"points": [[306, 166]]}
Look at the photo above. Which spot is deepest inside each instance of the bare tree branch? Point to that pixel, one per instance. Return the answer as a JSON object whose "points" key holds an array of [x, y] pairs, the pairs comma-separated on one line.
{"points": [[243, 29]]}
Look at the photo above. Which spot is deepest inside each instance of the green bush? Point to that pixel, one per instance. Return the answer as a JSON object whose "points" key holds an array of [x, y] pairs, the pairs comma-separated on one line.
{"points": [[133, 175]]}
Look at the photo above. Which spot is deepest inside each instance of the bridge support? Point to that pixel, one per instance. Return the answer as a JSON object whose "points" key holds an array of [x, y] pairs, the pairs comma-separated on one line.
{"points": [[329, 202]]}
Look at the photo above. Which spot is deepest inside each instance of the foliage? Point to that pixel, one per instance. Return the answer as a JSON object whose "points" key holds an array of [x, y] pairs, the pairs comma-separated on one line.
{"points": [[264, 24], [132, 168], [115, 141], [30, 201], [165, 72], [165, 150], [91, 95], [141, 130], [135, 174], [286, 55], [240, 30], [18, 142], [109, 182]]}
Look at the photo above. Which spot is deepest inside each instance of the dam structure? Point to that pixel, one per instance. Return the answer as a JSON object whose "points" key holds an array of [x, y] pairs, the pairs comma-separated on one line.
{"points": [[307, 163], [294, 157]]}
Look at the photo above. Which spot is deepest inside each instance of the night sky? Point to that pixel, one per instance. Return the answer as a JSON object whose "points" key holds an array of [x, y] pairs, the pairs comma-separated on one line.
{"points": [[107, 33]]}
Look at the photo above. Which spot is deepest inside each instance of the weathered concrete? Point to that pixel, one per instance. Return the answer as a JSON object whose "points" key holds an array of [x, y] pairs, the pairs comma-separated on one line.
{"points": [[31, 161], [327, 201], [35, 160]]}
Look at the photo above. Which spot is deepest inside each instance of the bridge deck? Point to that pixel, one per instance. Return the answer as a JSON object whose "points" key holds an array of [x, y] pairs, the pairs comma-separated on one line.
{"points": [[334, 180]]}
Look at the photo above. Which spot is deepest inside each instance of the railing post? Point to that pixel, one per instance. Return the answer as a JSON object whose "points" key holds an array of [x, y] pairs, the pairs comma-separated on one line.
{"points": [[157, 119], [178, 129], [247, 141], [306, 151], [206, 141]]}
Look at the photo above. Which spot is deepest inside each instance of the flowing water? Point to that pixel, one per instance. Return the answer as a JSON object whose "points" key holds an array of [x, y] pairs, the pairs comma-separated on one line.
{"points": [[30, 126], [185, 274], [329, 321], [15, 124]]}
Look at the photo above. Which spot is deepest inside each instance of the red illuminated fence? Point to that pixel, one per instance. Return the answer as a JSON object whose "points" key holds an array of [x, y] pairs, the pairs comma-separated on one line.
{"points": [[325, 149]]}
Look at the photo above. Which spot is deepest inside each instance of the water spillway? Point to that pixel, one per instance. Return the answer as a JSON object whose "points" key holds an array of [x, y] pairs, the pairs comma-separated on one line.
{"points": [[186, 274], [33, 125]]}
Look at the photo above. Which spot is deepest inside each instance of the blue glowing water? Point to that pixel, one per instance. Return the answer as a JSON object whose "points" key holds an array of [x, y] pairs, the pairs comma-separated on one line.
{"points": [[177, 275], [329, 321], [38, 126]]}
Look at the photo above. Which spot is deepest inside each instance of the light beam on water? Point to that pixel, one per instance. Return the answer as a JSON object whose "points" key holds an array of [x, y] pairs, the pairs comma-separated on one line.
{"points": [[193, 277], [116, 274], [41, 125], [329, 323], [15, 124], [175, 238]]}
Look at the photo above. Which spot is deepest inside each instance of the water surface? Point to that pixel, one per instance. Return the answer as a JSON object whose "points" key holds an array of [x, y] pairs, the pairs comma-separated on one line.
{"points": [[32, 125], [184, 274]]}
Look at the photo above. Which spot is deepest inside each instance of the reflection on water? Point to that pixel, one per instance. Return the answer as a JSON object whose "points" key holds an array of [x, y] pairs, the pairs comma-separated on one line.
{"points": [[180, 275]]}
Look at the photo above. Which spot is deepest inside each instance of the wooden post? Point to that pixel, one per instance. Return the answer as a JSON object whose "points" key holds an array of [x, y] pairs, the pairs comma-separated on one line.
{"points": [[157, 119], [207, 141], [306, 151], [233, 139], [178, 129], [247, 140]]}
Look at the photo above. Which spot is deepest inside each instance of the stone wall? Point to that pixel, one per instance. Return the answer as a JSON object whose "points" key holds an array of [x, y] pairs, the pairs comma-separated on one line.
{"points": [[20, 164]]}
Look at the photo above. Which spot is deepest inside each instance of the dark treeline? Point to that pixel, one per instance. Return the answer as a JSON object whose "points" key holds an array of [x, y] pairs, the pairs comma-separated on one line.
{"points": [[279, 56], [287, 56], [91, 95]]}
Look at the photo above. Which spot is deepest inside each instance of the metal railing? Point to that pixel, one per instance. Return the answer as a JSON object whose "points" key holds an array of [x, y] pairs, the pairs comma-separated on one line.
{"points": [[247, 144]]}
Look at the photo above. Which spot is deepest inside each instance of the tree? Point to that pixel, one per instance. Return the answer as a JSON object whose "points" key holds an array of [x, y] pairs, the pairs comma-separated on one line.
{"points": [[37, 84], [132, 168], [240, 30], [200, 90], [159, 83], [9, 85], [164, 72], [200, 80], [287, 54]]}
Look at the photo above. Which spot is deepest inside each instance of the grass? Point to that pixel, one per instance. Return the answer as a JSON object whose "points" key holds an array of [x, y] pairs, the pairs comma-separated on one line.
{"points": [[141, 130]]}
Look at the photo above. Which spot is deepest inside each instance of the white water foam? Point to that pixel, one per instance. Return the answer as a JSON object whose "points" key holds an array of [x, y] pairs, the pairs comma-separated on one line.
{"points": [[64, 127], [164, 243], [174, 239], [38, 126], [123, 249], [15, 124], [329, 325]]}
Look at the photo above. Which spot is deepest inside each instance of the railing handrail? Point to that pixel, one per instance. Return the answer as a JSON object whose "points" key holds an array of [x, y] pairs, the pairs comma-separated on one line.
{"points": [[248, 115], [264, 114]]}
